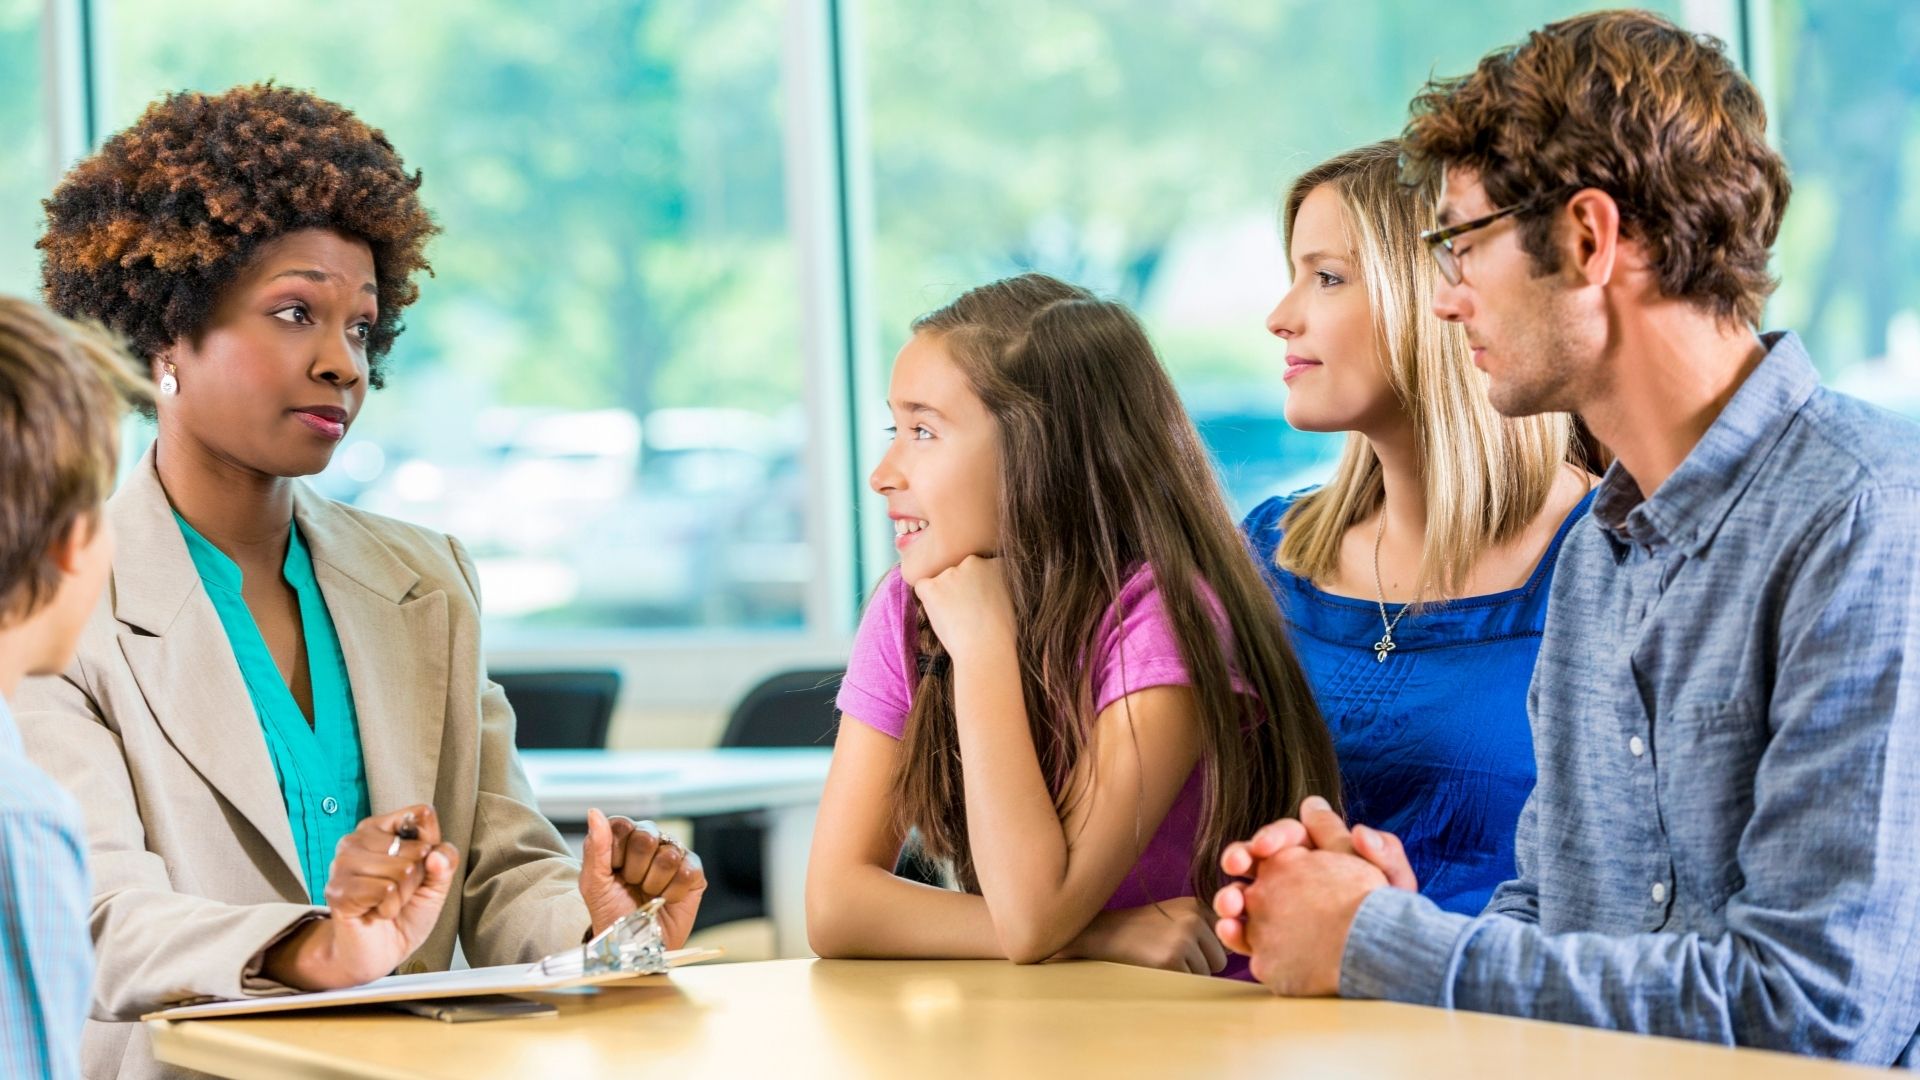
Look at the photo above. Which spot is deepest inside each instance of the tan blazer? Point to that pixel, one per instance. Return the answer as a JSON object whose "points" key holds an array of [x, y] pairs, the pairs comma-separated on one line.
{"points": [[193, 862]]}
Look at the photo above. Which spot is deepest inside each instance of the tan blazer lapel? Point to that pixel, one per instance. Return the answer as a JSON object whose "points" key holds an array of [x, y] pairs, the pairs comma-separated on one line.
{"points": [[177, 650], [395, 644]]}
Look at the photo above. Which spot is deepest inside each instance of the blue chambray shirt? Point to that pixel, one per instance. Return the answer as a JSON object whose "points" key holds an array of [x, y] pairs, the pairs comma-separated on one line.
{"points": [[46, 951], [1724, 843]]}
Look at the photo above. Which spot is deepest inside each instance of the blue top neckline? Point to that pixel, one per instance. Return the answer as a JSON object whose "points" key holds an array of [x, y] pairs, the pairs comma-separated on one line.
{"points": [[1542, 570]]}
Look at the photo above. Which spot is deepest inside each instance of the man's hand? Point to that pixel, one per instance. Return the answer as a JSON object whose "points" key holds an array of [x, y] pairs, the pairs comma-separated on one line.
{"points": [[1318, 828], [1297, 915]]}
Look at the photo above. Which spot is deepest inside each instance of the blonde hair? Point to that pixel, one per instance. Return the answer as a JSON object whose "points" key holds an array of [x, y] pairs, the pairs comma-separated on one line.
{"points": [[1486, 476]]}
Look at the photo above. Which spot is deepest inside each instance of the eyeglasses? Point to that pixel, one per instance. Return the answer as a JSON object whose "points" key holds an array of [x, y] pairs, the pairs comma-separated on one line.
{"points": [[1440, 241]]}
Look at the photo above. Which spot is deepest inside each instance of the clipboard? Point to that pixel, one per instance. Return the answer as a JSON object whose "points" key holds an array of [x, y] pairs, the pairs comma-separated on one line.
{"points": [[628, 951], [504, 979]]}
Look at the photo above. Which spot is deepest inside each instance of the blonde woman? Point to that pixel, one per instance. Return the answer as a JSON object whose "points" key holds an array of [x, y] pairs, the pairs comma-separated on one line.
{"points": [[1415, 581]]}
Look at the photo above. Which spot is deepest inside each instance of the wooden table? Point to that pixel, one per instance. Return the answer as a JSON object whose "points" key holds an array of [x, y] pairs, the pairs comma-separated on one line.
{"points": [[974, 1019], [784, 784]]}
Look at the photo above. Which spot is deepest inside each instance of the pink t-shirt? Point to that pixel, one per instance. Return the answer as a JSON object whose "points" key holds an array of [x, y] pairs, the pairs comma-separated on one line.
{"points": [[1134, 652]]}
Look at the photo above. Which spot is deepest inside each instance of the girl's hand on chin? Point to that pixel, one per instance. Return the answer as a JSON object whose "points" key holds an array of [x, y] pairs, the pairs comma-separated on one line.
{"points": [[968, 607]]}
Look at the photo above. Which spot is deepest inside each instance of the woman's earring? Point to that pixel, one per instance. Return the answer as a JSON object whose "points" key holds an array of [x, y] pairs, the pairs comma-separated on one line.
{"points": [[168, 384]]}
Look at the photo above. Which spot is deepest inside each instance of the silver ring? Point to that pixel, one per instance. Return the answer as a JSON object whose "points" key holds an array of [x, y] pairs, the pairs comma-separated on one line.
{"points": [[394, 848]]}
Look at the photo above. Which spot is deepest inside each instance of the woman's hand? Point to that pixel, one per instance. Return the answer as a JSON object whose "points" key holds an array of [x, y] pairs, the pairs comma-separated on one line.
{"points": [[1176, 935], [626, 864], [384, 894], [969, 608]]}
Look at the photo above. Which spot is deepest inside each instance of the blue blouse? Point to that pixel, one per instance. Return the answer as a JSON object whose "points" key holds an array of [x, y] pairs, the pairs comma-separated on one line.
{"points": [[1433, 742], [323, 778]]}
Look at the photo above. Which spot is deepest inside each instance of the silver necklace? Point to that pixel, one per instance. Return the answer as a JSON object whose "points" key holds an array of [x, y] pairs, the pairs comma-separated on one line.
{"points": [[1385, 645]]}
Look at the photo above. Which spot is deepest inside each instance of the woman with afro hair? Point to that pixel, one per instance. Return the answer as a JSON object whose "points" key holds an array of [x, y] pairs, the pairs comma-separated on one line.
{"points": [[295, 771]]}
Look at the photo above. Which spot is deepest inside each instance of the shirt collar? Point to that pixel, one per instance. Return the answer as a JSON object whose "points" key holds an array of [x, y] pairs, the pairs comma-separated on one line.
{"points": [[1687, 510], [298, 567], [217, 570]]}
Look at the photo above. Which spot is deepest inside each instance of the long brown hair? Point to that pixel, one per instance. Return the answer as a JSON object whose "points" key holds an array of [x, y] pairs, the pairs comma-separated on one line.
{"points": [[1102, 475]]}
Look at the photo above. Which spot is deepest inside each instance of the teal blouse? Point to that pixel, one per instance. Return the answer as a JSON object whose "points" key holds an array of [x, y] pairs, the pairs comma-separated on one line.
{"points": [[322, 777]]}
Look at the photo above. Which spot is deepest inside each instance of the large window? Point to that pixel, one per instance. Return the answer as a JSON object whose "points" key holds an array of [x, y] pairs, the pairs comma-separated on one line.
{"points": [[599, 389], [24, 169], [1846, 109], [683, 241], [1143, 153]]}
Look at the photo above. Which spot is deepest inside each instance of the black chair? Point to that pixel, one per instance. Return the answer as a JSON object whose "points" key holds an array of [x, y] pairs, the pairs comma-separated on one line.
{"points": [[560, 710], [793, 708]]}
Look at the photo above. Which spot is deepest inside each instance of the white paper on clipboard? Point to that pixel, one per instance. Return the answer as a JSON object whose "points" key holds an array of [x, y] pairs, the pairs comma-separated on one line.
{"points": [[634, 947], [505, 979]]}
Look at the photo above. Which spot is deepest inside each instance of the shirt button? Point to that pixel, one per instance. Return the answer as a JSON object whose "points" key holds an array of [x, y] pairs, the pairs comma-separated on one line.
{"points": [[1659, 892], [1636, 746], [329, 805]]}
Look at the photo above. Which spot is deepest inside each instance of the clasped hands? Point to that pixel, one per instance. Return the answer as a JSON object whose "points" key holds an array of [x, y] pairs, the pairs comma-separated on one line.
{"points": [[1293, 891]]}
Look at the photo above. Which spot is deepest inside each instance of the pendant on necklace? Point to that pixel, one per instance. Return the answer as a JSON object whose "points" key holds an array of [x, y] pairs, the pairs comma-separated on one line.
{"points": [[1382, 647]]}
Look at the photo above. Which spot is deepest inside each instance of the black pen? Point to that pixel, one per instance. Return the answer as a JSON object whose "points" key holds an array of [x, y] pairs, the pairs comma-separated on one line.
{"points": [[408, 830]]}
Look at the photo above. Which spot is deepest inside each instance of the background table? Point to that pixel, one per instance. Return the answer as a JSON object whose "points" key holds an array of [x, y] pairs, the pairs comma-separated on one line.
{"points": [[784, 784], [803, 1018]]}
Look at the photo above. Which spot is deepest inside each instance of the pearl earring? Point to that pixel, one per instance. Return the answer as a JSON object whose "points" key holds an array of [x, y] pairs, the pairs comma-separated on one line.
{"points": [[168, 384]]}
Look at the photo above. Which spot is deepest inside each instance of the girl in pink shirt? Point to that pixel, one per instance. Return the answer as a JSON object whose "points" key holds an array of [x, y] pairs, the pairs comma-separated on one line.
{"points": [[1074, 616]]}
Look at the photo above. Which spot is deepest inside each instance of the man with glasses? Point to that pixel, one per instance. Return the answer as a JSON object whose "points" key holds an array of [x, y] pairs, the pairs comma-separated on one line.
{"points": [[1726, 708]]}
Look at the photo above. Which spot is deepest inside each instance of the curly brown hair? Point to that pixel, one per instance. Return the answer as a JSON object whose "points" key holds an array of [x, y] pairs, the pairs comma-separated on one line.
{"points": [[1630, 104], [145, 233]]}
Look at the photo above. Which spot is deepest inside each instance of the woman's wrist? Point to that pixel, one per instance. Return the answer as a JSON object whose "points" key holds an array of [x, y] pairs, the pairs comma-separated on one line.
{"points": [[304, 958], [601, 915]]}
